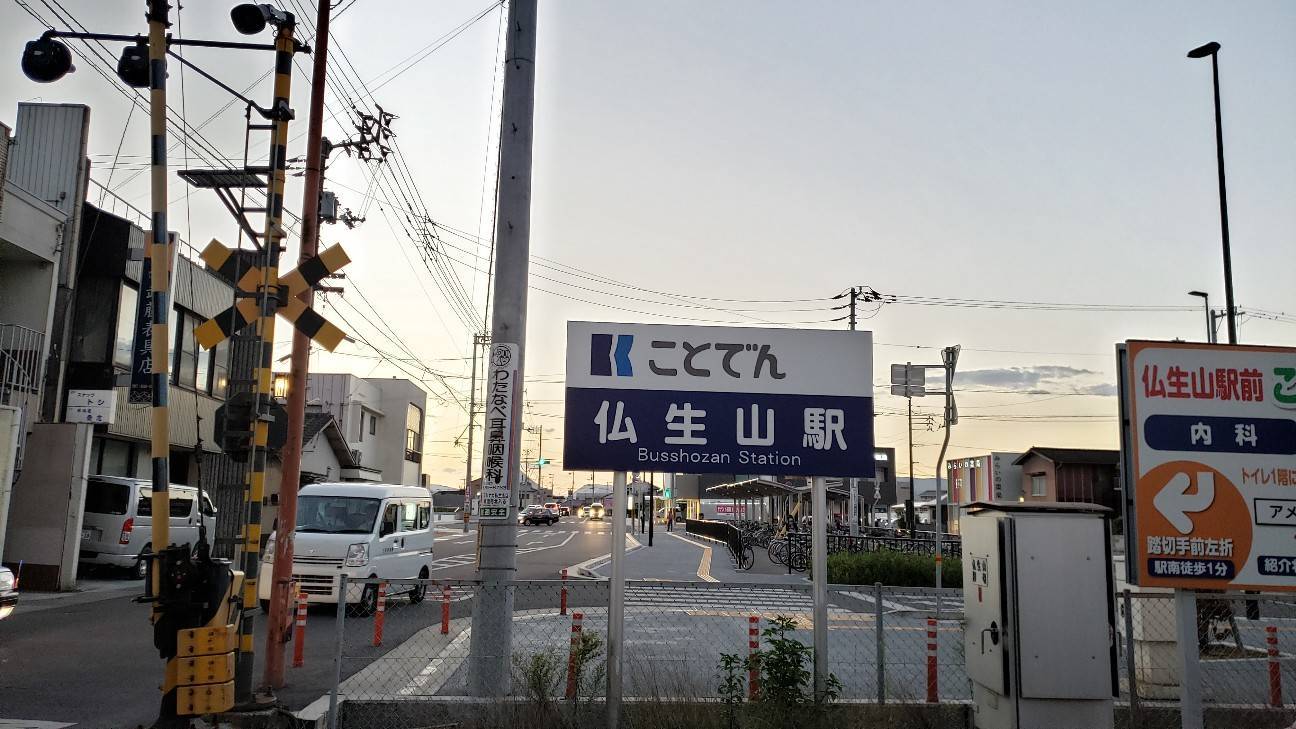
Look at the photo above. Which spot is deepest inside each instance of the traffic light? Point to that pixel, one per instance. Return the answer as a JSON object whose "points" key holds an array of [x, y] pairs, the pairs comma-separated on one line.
{"points": [[195, 629]]}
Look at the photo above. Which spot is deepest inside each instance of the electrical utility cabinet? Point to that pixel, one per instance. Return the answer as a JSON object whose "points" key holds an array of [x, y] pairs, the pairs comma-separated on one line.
{"points": [[1040, 640]]}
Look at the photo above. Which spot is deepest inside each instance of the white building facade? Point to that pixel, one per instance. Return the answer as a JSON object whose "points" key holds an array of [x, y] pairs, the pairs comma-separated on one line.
{"points": [[382, 420]]}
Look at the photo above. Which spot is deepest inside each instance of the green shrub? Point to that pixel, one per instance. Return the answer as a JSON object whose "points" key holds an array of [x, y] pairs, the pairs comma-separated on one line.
{"points": [[891, 568]]}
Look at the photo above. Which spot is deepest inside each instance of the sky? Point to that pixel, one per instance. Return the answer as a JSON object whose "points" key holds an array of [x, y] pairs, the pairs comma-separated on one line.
{"points": [[778, 154]]}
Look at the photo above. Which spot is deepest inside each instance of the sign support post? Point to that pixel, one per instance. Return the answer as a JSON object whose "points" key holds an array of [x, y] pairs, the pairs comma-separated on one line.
{"points": [[616, 600], [819, 567], [1190, 702]]}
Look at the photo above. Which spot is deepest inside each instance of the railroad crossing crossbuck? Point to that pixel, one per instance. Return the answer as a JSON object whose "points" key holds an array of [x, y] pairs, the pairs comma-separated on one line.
{"points": [[291, 286]]}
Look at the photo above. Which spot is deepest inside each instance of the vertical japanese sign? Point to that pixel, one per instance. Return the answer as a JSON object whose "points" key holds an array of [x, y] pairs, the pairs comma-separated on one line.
{"points": [[1209, 454], [736, 400], [502, 390], [141, 378]]}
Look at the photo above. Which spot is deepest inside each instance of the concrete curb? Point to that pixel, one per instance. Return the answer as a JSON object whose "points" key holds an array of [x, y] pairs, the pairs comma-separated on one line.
{"points": [[585, 570]]}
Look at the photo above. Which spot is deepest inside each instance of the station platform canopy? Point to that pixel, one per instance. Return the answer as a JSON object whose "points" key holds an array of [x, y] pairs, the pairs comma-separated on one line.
{"points": [[752, 488]]}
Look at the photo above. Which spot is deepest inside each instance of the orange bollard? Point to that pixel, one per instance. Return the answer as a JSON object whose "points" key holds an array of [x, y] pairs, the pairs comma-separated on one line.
{"points": [[753, 646], [299, 635], [571, 657], [562, 601], [380, 615], [931, 660], [1275, 670], [445, 610]]}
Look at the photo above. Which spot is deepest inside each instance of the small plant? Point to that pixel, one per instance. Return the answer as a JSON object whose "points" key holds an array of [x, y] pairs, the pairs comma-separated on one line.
{"points": [[589, 670], [538, 675], [786, 694], [733, 685]]}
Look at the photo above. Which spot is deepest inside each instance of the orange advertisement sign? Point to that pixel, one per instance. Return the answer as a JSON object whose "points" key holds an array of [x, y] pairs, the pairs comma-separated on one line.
{"points": [[1209, 453]]}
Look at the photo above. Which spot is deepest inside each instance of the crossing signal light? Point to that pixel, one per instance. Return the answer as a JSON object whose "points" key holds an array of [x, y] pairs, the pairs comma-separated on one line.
{"points": [[46, 60], [133, 66], [251, 18]]}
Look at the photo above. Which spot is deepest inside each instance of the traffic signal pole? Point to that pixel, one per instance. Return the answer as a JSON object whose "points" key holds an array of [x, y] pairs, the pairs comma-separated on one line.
{"points": [[281, 574], [268, 306], [492, 621]]}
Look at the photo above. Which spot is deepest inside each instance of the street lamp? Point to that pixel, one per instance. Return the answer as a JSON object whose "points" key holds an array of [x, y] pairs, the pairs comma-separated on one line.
{"points": [[1212, 49], [1210, 318]]}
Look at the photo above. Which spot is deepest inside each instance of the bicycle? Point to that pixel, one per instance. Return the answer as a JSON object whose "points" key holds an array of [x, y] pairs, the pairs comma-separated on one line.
{"points": [[745, 556], [777, 550]]}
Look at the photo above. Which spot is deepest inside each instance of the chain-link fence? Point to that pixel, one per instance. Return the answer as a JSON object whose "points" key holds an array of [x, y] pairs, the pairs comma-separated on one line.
{"points": [[402, 649], [1246, 645]]}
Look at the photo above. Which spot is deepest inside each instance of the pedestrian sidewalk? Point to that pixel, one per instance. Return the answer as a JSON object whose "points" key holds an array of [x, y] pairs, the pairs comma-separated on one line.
{"points": [[87, 591], [677, 556]]}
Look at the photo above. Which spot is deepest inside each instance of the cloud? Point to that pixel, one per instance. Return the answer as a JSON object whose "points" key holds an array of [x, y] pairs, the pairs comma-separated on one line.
{"points": [[1038, 380]]}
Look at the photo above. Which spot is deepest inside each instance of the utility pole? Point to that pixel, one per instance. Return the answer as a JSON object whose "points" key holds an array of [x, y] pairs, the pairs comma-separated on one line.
{"points": [[854, 482], [490, 649], [479, 339], [539, 430], [299, 369], [910, 517]]}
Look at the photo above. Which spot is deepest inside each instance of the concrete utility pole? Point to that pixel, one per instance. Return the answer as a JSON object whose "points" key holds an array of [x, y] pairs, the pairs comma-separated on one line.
{"points": [[492, 621], [313, 183], [538, 430]]}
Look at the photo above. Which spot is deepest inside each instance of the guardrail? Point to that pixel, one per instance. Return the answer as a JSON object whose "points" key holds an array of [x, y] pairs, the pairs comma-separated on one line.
{"points": [[721, 531]]}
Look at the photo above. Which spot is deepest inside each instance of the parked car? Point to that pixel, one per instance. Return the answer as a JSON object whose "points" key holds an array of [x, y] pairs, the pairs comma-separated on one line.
{"points": [[8, 592], [536, 514], [363, 531], [117, 529]]}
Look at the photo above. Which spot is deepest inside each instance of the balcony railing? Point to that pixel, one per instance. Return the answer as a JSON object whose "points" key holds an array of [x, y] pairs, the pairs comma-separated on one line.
{"points": [[22, 369]]}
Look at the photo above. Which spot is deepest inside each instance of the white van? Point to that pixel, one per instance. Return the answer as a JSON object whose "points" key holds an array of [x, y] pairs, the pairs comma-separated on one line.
{"points": [[360, 530], [117, 529]]}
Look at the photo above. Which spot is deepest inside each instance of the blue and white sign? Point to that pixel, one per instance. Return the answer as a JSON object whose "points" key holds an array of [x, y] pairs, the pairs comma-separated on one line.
{"points": [[696, 399]]}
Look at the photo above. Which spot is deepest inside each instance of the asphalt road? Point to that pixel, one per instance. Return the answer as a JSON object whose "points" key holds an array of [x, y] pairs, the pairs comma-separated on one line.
{"points": [[93, 664]]}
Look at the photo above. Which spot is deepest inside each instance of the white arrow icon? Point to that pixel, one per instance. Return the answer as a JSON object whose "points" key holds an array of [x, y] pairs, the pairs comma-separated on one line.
{"points": [[1175, 504]]}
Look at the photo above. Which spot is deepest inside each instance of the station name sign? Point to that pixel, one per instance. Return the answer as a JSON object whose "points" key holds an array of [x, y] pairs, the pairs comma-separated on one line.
{"points": [[649, 397]]}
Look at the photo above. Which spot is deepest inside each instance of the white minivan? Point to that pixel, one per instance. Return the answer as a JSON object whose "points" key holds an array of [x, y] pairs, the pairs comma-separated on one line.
{"points": [[361, 530], [117, 529]]}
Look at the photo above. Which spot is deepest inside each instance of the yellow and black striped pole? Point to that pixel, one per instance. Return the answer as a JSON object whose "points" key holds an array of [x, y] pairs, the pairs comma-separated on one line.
{"points": [[272, 243], [160, 283], [159, 251]]}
